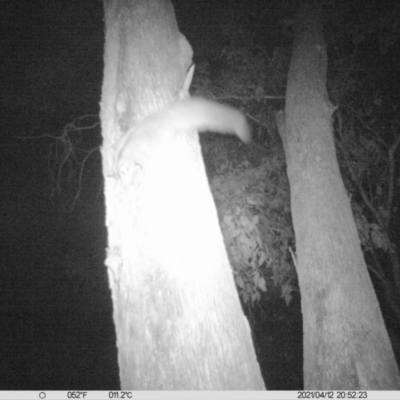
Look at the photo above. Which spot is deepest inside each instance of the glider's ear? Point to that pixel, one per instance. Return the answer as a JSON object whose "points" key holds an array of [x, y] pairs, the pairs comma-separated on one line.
{"points": [[184, 92]]}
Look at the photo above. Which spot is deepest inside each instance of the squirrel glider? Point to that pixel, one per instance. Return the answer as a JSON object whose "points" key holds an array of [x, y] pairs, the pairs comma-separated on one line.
{"points": [[192, 113]]}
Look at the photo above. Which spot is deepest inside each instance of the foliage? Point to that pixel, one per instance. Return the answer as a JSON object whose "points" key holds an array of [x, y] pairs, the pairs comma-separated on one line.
{"points": [[371, 235], [253, 206], [366, 156]]}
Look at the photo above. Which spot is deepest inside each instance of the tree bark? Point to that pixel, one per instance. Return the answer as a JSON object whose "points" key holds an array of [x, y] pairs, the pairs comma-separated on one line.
{"points": [[346, 345], [178, 319]]}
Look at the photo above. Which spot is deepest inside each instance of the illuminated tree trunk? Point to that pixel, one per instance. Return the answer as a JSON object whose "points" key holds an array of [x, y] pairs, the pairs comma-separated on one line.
{"points": [[178, 318], [346, 345]]}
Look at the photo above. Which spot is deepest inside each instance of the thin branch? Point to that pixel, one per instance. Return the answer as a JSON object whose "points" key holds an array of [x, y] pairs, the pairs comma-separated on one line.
{"points": [[391, 152]]}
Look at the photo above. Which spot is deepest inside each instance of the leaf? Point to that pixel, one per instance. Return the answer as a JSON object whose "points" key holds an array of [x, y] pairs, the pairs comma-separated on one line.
{"points": [[286, 292], [379, 239], [262, 258], [256, 278], [251, 201], [237, 232], [239, 281], [244, 221], [262, 284], [288, 298], [248, 242], [228, 220]]}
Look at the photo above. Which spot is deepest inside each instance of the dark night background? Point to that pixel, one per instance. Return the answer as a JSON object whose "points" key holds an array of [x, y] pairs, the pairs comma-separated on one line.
{"points": [[55, 307]]}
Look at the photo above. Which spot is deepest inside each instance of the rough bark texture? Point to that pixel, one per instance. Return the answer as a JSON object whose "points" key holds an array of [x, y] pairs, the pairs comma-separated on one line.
{"points": [[178, 318], [346, 345]]}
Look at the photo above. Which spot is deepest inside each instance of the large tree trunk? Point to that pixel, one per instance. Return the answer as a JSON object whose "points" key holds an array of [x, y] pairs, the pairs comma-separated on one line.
{"points": [[178, 318], [346, 345]]}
